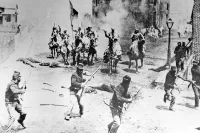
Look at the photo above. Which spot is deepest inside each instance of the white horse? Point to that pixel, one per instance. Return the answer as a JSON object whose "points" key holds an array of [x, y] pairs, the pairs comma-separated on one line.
{"points": [[187, 31], [161, 31]]}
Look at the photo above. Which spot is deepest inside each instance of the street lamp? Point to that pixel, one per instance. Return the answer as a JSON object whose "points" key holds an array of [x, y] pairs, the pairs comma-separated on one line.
{"points": [[170, 24]]}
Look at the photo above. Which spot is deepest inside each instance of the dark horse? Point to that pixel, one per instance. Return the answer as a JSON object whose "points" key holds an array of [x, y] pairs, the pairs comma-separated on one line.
{"points": [[75, 53], [91, 52], [110, 58]]}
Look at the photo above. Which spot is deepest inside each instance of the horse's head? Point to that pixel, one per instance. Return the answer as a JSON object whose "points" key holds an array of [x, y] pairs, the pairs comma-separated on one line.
{"points": [[161, 28]]}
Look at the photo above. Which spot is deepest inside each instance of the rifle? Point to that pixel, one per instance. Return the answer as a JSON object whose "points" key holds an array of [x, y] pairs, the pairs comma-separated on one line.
{"points": [[133, 96], [190, 82], [21, 96], [80, 92], [126, 106]]}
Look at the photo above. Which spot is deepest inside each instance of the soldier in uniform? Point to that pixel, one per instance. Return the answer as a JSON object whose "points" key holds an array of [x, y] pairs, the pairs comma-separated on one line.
{"points": [[12, 100], [177, 52], [183, 55], [195, 71], [169, 86], [77, 82], [120, 97]]}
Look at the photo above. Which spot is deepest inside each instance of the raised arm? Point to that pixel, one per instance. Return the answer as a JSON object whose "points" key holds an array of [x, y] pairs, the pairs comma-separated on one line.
{"points": [[15, 90]]}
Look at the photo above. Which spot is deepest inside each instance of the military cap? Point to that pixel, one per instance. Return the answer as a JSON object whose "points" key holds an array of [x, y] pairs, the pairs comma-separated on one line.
{"points": [[80, 66], [179, 43], [16, 75], [126, 78], [173, 67]]}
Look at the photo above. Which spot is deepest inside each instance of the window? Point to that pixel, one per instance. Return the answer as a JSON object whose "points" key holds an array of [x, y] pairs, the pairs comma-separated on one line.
{"points": [[1, 20], [16, 18], [8, 18], [167, 6]]}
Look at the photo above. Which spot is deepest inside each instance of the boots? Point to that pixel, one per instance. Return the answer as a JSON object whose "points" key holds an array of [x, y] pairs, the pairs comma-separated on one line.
{"points": [[172, 103], [81, 109], [165, 98], [21, 120]]}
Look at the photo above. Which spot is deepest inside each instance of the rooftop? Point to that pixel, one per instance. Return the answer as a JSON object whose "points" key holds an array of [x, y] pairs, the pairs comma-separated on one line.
{"points": [[7, 11]]}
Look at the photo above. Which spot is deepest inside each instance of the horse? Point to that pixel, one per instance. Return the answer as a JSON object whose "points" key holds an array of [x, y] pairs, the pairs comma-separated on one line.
{"points": [[111, 60], [136, 53], [53, 46], [76, 49], [161, 29], [65, 50], [112, 56], [91, 51], [85, 45]]}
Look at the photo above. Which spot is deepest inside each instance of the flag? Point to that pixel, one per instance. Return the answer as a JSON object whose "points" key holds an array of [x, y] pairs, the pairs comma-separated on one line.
{"points": [[74, 13]]}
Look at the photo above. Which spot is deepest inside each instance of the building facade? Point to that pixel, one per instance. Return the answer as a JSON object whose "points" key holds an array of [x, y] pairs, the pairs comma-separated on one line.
{"points": [[8, 19]]}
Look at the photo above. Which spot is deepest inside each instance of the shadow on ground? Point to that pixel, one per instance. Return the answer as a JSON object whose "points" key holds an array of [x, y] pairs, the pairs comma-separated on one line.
{"points": [[188, 105], [50, 57], [159, 69], [190, 98], [130, 70], [162, 107], [124, 62], [106, 71]]}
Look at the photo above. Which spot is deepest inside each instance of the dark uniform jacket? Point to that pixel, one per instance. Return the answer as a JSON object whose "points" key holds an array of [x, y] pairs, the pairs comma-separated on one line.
{"points": [[169, 81], [177, 52], [76, 82], [12, 92], [120, 97]]}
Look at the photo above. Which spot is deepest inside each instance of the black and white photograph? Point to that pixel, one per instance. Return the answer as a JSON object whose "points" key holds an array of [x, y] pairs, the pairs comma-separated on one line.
{"points": [[99, 66]]}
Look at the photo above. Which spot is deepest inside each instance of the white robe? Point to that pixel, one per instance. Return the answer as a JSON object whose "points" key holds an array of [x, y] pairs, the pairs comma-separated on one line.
{"points": [[117, 48]]}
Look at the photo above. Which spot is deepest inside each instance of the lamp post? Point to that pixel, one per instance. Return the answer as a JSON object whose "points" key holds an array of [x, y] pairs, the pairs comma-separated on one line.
{"points": [[170, 24]]}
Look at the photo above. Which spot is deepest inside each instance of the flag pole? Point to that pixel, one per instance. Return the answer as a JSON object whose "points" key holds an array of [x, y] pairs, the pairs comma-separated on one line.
{"points": [[72, 26], [71, 19]]}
